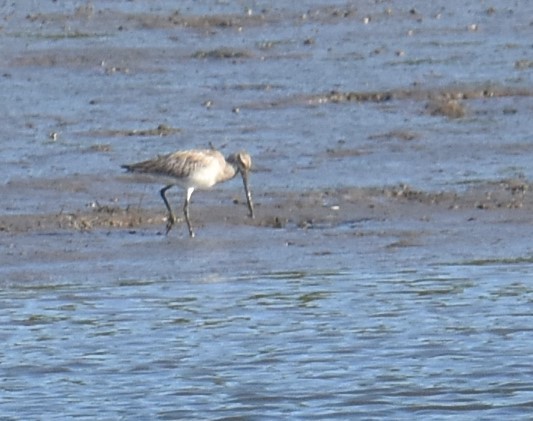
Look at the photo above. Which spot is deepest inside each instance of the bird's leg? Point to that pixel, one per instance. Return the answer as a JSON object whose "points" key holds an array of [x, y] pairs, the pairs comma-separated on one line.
{"points": [[186, 210], [171, 218]]}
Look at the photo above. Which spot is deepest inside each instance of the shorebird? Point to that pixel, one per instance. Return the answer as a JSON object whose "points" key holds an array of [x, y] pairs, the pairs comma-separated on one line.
{"points": [[194, 169]]}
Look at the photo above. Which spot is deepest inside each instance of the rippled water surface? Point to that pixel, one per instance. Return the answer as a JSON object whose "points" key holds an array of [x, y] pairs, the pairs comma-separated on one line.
{"points": [[452, 344], [407, 310]]}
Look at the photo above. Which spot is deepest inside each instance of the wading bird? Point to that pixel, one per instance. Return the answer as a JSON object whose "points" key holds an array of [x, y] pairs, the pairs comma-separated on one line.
{"points": [[194, 169]]}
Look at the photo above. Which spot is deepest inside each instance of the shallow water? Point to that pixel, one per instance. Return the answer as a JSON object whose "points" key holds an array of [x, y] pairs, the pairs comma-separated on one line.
{"points": [[370, 302], [450, 343]]}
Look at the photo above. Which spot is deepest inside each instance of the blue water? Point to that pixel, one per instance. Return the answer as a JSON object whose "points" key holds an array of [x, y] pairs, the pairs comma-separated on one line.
{"points": [[386, 318], [290, 344]]}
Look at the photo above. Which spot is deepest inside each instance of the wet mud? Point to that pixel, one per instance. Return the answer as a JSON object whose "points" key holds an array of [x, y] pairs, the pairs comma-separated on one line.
{"points": [[305, 208], [451, 102], [509, 199]]}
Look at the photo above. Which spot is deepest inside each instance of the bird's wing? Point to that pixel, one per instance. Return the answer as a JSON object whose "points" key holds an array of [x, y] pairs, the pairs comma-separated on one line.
{"points": [[184, 163], [179, 164]]}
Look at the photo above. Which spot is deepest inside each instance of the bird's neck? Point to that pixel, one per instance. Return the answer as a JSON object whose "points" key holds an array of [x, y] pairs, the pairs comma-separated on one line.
{"points": [[229, 172]]}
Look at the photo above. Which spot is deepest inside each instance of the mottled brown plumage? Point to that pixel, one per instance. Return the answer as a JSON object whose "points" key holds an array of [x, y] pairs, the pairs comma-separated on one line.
{"points": [[195, 169]]}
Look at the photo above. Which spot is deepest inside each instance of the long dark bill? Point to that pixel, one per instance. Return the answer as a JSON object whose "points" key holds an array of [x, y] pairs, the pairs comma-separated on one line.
{"points": [[248, 193]]}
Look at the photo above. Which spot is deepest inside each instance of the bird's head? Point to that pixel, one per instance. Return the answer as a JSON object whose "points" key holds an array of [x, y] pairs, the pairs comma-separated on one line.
{"points": [[241, 161]]}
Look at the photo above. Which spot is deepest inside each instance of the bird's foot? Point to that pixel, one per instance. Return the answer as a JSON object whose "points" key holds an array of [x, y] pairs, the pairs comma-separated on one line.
{"points": [[171, 220], [191, 232]]}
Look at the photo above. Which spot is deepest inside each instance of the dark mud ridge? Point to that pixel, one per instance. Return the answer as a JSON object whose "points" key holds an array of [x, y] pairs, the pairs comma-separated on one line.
{"points": [[328, 208], [449, 102]]}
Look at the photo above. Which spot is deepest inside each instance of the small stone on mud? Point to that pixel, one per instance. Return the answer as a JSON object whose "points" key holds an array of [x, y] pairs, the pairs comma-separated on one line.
{"points": [[449, 108]]}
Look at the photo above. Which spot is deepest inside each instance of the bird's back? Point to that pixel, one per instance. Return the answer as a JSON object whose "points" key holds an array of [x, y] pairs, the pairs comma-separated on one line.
{"points": [[191, 168]]}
